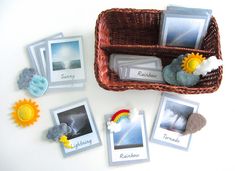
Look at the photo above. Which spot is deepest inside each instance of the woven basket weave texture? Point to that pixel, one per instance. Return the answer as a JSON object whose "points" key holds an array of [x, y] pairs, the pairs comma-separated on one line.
{"points": [[132, 31]]}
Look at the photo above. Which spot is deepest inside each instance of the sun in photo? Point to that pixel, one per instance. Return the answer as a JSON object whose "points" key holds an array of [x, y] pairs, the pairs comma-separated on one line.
{"points": [[25, 112]]}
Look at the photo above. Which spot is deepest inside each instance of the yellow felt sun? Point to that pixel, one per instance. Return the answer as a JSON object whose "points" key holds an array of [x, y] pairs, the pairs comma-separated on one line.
{"points": [[25, 112], [191, 61]]}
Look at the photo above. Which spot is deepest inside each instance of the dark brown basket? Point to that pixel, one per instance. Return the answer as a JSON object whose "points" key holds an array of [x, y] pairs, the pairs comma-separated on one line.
{"points": [[133, 31]]}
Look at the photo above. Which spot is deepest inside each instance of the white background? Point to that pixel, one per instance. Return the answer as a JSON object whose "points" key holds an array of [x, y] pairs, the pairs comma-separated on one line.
{"points": [[27, 149]]}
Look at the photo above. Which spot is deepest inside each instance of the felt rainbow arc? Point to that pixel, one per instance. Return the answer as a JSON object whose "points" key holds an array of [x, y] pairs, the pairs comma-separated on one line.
{"points": [[119, 115]]}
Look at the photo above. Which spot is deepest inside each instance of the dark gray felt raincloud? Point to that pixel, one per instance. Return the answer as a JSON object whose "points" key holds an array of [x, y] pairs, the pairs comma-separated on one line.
{"points": [[57, 131]]}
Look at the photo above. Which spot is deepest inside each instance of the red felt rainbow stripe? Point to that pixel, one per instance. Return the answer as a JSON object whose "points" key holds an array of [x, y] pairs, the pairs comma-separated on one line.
{"points": [[124, 113]]}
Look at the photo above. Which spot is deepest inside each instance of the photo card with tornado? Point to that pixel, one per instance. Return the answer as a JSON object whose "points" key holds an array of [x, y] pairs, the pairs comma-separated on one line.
{"points": [[170, 121]]}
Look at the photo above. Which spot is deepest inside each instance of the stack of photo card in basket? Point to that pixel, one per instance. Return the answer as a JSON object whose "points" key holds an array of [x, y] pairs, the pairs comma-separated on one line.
{"points": [[136, 67], [184, 27], [60, 59]]}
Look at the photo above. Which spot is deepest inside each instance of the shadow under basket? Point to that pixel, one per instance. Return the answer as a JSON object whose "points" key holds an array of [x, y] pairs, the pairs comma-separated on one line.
{"points": [[132, 31]]}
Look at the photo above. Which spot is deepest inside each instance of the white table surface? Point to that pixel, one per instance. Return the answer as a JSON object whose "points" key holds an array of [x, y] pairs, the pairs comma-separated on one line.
{"points": [[27, 149]]}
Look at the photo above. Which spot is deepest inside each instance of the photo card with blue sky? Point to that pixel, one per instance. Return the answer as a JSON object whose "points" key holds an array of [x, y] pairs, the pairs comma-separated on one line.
{"points": [[78, 116], [37, 52], [65, 60], [130, 144], [171, 120]]}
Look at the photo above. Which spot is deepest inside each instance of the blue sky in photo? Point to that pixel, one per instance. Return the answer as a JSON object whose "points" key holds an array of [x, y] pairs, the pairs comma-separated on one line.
{"points": [[130, 134], [65, 50]]}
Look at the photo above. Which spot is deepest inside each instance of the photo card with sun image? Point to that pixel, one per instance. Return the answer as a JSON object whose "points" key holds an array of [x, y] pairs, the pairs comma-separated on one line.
{"points": [[65, 61], [78, 117], [126, 137], [171, 120]]}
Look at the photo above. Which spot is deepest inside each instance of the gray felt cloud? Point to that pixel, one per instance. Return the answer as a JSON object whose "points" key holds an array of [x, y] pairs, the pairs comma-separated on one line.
{"points": [[25, 78], [57, 131]]}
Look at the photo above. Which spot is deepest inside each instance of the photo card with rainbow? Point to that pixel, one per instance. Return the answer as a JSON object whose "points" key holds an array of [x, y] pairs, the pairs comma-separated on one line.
{"points": [[126, 137]]}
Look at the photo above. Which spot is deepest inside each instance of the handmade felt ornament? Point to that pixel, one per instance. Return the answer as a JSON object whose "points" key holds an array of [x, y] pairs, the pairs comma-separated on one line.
{"points": [[25, 112], [35, 84], [186, 69], [114, 123], [195, 123], [59, 133]]}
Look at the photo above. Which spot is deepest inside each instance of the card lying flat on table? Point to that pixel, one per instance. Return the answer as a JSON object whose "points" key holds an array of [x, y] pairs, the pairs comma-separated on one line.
{"points": [[39, 57], [65, 61], [79, 117], [171, 120], [130, 144], [34, 59]]}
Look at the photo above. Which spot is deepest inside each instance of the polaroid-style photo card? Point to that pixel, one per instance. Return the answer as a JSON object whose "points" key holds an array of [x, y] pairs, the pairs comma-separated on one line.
{"points": [[183, 30], [33, 55], [41, 53], [79, 117], [171, 120], [42, 62], [130, 144], [65, 61]]}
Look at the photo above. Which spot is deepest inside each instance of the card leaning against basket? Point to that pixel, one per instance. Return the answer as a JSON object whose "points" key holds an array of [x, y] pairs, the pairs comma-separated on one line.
{"points": [[176, 50]]}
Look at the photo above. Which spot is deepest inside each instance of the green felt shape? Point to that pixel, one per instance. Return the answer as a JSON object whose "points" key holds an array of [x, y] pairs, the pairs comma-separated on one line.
{"points": [[185, 79], [169, 75]]}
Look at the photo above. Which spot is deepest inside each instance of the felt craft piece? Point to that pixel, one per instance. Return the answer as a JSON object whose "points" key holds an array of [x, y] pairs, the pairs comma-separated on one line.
{"points": [[57, 131], [114, 124], [191, 62], [208, 65], [169, 75], [175, 75], [195, 123], [185, 79], [25, 112], [35, 84], [64, 140]]}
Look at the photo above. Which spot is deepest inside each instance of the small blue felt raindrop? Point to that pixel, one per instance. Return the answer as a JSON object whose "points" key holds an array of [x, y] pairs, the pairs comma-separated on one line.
{"points": [[38, 86]]}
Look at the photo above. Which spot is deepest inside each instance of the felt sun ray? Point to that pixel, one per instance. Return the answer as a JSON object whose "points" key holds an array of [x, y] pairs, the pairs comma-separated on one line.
{"points": [[25, 112], [191, 62]]}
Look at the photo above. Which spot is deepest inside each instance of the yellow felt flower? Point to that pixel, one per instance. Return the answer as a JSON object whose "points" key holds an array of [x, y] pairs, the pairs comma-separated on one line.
{"points": [[191, 62], [64, 140], [25, 112]]}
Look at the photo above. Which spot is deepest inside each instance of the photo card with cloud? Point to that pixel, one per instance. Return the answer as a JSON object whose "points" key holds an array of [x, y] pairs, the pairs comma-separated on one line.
{"points": [[171, 120], [78, 116], [129, 144], [65, 61]]}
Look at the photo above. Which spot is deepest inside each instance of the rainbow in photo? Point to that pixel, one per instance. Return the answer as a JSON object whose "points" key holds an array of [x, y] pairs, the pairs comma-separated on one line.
{"points": [[119, 115]]}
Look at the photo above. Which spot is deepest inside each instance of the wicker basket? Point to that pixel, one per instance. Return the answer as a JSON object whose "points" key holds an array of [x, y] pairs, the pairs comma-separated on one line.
{"points": [[133, 31]]}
